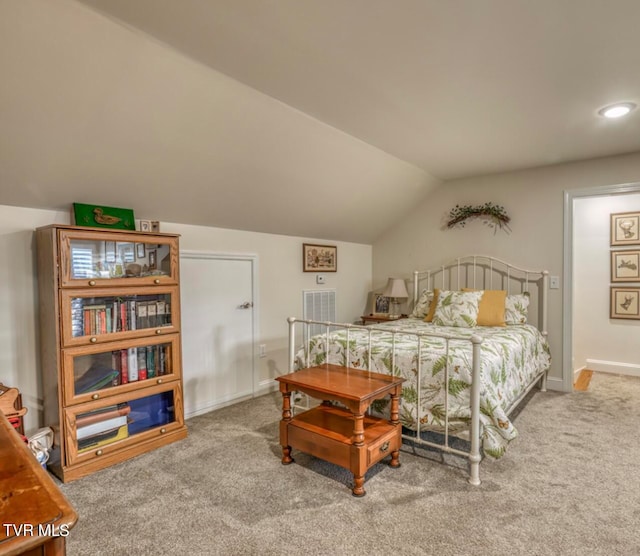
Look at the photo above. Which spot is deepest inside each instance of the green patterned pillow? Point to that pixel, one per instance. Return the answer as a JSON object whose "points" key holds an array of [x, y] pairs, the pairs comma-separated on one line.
{"points": [[516, 308], [457, 309], [422, 306]]}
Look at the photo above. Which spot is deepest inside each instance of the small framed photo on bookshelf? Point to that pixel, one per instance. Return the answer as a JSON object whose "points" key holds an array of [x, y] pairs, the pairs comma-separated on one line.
{"points": [[145, 225], [140, 251], [152, 260], [155, 226]]}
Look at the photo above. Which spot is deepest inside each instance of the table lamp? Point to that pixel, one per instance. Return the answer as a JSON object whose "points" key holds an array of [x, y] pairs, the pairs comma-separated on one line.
{"points": [[396, 289]]}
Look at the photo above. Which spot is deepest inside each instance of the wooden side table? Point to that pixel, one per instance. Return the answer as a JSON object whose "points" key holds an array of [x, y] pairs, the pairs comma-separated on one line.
{"points": [[380, 318], [345, 437]]}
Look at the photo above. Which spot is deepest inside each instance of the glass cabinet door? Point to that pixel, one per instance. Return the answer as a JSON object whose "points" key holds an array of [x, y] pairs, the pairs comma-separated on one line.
{"points": [[105, 315], [98, 428], [91, 258], [95, 372]]}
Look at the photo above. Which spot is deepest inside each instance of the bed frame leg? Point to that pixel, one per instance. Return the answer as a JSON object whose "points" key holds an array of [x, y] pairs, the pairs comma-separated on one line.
{"points": [[474, 454], [474, 470], [543, 382]]}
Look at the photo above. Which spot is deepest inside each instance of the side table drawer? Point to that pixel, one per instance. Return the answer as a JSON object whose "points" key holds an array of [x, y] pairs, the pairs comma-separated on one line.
{"points": [[384, 445]]}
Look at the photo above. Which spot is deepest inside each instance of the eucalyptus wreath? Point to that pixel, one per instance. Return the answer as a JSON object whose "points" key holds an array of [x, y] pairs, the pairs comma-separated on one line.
{"points": [[496, 215]]}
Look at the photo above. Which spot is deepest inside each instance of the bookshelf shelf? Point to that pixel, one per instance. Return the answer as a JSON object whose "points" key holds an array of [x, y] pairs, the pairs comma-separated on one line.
{"points": [[110, 345]]}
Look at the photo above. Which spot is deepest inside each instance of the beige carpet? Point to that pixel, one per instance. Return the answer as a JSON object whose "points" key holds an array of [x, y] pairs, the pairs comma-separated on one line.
{"points": [[569, 484]]}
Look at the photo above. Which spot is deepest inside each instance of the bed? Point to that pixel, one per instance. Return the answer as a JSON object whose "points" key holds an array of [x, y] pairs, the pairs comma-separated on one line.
{"points": [[488, 366]]}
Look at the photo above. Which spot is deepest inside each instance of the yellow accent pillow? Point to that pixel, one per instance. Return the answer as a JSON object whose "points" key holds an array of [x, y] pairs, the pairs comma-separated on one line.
{"points": [[434, 304], [491, 308]]}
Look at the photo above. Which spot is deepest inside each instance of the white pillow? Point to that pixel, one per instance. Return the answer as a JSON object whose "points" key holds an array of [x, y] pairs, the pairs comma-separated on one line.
{"points": [[457, 309], [516, 308], [422, 306]]}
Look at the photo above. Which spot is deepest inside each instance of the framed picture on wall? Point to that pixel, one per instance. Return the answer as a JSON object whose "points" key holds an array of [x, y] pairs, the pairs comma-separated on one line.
{"points": [[625, 228], [319, 258], [625, 303], [625, 266]]}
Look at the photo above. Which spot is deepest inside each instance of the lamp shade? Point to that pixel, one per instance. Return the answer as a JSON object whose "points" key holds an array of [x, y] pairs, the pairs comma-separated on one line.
{"points": [[396, 288]]}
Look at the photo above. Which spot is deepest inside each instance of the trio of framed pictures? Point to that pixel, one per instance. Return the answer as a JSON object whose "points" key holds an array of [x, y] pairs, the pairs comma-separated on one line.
{"points": [[625, 266]]}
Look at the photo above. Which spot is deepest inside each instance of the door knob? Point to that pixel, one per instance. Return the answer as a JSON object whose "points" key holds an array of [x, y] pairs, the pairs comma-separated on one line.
{"points": [[246, 305]]}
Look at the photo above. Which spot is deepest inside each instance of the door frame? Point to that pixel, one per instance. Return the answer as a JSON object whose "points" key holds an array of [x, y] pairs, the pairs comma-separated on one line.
{"points": [[253, 260], [567, 273]]}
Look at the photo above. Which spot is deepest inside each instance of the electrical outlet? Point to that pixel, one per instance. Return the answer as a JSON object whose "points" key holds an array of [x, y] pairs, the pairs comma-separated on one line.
{"points": [[554, 282], [319, 279], [262, 350]]}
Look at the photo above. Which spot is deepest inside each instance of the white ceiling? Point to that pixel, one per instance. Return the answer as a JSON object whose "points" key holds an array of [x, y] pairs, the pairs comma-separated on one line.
{"points": [[457, 88], [318, 118]]}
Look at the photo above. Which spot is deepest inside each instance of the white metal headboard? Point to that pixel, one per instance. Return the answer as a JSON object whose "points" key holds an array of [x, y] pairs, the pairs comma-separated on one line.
{"points": [[483, 272]]}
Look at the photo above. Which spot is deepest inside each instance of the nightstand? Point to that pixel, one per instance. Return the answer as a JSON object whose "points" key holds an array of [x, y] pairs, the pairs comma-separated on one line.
{"points": [[366, 319]]}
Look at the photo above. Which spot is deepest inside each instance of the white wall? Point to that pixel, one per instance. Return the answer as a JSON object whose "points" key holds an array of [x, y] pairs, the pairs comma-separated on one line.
{"points": [[281, 282], [533, 199], [19, 329], [600, 343]]}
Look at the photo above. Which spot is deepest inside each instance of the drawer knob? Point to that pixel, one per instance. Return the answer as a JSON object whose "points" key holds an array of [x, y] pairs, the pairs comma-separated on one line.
{"points": [[156, 281], [159, 381], [95, 396], [99, 453], [93, 340], [163, 430], [158, 331], [384, 447], [92, 282]]}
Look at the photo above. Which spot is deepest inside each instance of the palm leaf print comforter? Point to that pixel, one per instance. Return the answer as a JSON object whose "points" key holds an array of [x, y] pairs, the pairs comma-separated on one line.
{"points": [[511, 358]]}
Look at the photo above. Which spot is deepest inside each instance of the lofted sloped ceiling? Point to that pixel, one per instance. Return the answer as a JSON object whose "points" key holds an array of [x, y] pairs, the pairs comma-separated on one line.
{"points": [[318, 118]]}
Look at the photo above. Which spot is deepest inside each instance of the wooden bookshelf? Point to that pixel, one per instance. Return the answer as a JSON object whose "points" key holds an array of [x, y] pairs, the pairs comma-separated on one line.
{"points": [[110, 344]]}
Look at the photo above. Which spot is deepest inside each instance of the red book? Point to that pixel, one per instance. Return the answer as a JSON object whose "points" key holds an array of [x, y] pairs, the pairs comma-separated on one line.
{"points": [[124, 366], [103, 321], [123, 316], [87, 322]]}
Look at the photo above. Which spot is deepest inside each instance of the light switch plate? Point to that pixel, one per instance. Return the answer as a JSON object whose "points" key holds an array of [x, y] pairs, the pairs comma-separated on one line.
{"points": [[554, 282]]}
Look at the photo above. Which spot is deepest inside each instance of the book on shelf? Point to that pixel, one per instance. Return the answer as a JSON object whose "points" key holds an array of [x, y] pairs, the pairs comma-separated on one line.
{"points": [[99, 427], [132, 356], [115, 316], [132, 315], [102, 414], [108, 437], [141, 315], [161, 310], [124, 366], [151, 361], [97, 376], [123, 317], [151, 411], [142, 363], [152, 308]]}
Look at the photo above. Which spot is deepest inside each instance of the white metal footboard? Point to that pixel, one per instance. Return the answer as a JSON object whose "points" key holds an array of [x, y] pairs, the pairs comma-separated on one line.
{"points": [[473, 455]]}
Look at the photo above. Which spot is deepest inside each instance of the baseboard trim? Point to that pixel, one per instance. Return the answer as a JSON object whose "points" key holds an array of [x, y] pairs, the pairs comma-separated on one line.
{"points": [[613, 367], [556, 384], [264, 387]]}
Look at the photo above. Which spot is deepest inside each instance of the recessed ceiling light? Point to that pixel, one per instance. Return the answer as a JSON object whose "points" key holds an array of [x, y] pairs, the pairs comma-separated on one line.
{"points": [[617, 110]]}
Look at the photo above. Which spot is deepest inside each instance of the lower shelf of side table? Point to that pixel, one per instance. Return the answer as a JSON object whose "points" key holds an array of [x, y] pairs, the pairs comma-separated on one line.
{"points": [[326, 432]]}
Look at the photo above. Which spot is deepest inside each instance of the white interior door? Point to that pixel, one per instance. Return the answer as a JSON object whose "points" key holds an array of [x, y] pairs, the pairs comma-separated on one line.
{"points": [[217, 330]]}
